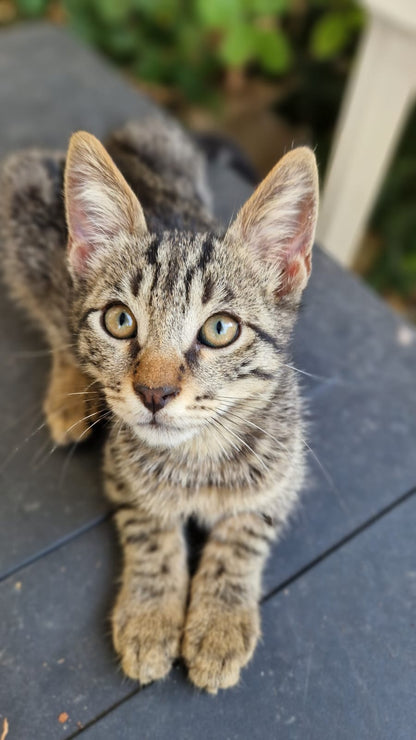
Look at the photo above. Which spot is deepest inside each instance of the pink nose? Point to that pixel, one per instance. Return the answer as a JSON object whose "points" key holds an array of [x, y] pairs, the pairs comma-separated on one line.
{"points": [[155, 398]]}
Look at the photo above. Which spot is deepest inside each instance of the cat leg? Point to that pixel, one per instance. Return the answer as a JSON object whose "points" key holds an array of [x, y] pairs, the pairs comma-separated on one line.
{"points": [[73, 401], [149, 613], [223, 620]]}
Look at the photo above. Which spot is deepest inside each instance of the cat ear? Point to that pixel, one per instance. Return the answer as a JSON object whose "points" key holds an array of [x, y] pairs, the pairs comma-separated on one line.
{"points": [[277, 224], [100, 206]]}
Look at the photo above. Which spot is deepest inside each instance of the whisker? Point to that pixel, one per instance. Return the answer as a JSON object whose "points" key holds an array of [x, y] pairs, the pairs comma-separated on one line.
{"points": [[327, 476], [74, 446], [83, 393], [79, 421], [213, 422], [55, 445], [17, 449], [248, 399], [256, 426], [244, 443], [226, 454], [16, 420], [304, 372]]}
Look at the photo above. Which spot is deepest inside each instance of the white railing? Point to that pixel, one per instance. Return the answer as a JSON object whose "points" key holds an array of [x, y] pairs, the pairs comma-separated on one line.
{"points": [[380, 92]]}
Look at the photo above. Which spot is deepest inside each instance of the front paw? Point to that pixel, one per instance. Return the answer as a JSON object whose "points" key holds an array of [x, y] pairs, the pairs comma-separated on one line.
{"points": [[147, 638], [218, 642]]}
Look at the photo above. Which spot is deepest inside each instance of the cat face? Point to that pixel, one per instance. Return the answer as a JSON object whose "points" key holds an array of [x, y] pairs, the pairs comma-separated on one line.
{"points": [[182, 328]]}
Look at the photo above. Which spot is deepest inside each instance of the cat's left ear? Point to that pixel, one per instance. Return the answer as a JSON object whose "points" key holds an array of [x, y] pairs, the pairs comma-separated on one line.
{"points": [[100, 205], [277, 224]]}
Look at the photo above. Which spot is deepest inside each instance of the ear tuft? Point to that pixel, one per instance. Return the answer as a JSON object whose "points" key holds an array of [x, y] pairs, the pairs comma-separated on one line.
{"points": [[100, 205], [277, 224]]}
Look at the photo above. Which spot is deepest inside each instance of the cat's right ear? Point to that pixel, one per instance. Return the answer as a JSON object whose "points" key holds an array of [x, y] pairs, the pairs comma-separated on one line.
{"points": [[276, 226], [100, 205]]}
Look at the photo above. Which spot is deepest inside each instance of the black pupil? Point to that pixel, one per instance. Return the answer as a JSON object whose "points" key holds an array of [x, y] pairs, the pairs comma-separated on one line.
{"points": [[123, 319], [219, 327]]}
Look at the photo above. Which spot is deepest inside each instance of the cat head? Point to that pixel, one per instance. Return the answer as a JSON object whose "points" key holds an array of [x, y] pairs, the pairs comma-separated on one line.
{"points": [[182, 328]]}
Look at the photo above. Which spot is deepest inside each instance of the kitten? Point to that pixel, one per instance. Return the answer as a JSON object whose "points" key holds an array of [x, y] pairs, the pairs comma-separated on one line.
{"points": [[184, 331]]}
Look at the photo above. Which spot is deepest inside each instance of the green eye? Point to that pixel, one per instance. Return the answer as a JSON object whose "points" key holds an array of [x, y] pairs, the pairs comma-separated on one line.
{"points": [[219, 330], [120, 322]]}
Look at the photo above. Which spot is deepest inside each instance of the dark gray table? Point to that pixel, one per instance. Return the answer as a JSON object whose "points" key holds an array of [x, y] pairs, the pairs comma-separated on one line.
{"points": [[338, 658]]}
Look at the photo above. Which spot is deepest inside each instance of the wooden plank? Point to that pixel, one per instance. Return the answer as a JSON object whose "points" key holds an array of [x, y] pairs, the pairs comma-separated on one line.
{"points": [[336, 659]]}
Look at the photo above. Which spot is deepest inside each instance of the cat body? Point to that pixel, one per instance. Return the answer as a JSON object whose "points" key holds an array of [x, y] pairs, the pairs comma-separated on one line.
{"points": [[184, 331]]}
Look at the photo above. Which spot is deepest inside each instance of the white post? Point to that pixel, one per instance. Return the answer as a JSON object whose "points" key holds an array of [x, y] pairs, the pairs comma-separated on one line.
{"points": [[374, 110]]}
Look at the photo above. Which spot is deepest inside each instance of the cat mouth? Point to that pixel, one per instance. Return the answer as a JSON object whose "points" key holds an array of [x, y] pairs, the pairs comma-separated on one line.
{"points": [[156, 423], [162, 433]]}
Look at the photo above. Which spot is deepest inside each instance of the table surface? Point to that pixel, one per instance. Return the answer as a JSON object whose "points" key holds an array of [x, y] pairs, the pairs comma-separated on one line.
{"points": [[338, 654]]}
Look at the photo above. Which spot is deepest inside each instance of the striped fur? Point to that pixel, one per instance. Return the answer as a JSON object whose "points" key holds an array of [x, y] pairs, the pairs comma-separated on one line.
{"points": [[228, 449]]}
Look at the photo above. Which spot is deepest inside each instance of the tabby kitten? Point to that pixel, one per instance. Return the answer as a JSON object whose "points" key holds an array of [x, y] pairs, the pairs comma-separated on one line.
{"points": [[184, 331]]}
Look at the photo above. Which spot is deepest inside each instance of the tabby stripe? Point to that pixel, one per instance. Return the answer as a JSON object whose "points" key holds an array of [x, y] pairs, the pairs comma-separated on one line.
{"points": [[232, 594], [85, 316], [152, 251], [228, 294], [146, 574], [134, 348], [131, 521], [122, 507], [259, 373], [152, 593], [188, 281], [92, 361], [264, 336], [135, 539], [243, 547], [191, 356], [240, 547], [208, 290], [152, 259], [257, 535], [140, 521], [207, 249], [135, 282], [155, 278]]}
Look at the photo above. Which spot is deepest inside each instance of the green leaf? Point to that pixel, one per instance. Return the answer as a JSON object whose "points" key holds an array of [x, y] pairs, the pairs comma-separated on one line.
{"points": [[152, 8], [273, 50], [190, 42], [221, 14], [113, 11], [122, 43], [32, 8], [333, 31], [238, 45], [266, 7]]}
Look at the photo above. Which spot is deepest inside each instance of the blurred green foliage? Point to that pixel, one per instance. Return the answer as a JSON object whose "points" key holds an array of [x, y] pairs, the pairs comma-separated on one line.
{"points": [[193, 45], [394, 220], [189, 44]]}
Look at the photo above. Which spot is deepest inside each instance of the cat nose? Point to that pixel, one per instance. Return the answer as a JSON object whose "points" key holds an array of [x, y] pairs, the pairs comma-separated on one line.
{"points": [[155, 398]]}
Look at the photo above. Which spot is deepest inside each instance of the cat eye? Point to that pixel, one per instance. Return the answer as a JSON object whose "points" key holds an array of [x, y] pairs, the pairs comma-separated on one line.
{"points": [[120, 322], [219, 330]]}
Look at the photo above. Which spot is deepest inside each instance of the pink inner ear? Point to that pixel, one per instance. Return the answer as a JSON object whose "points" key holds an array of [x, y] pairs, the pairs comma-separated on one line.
{"points": [[296, 261], [79, 253], [80, 241]]}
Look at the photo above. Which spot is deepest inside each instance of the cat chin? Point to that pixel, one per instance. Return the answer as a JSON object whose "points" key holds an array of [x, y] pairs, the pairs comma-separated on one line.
{"points": [[162, 436]]}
